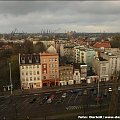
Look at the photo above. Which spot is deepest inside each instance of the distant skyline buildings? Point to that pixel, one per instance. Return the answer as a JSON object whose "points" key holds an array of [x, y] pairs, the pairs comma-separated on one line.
{"points": [[60, 16]]}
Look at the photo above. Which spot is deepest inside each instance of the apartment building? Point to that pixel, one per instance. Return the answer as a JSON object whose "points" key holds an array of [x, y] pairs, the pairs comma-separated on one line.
{"points": [[113, 58], [66, 74], [101, 68], [49, 69], [79, 73], [30, 71], [84, 55]]}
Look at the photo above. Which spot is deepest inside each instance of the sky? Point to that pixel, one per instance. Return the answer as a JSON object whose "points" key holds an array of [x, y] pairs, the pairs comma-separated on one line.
{"points": [[60, 16]]}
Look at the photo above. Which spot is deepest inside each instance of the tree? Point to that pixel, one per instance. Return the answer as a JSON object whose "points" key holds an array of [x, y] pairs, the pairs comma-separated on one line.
{"points": [[28, 47], [39, 47], [5, 72], [15, 71], [115, 42]]}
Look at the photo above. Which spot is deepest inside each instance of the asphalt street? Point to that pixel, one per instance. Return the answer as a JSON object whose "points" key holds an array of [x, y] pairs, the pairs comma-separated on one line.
{"points": [[36, 106]]}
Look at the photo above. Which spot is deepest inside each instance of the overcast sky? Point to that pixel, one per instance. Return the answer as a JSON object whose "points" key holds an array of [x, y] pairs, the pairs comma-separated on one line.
{"points": [[60, 16]]}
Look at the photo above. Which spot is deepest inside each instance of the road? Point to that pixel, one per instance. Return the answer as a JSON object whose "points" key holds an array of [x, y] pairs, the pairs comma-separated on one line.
{"points": [[23, 106]]}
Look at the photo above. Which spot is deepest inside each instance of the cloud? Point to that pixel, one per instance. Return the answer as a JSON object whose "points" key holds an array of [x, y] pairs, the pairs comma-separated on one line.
{"points": [[68, 15]]}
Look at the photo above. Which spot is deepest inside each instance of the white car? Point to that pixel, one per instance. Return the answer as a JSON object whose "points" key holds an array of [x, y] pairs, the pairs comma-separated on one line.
{"points": [[110, 89], [118, 88], [64, 95]]}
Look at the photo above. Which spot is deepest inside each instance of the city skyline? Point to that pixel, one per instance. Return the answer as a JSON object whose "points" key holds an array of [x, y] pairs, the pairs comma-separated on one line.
{"points": [[60, 16]]}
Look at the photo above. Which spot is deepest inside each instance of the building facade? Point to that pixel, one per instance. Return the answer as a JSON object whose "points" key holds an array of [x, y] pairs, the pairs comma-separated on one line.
{"points": [[84, 55], [66, 75], [49, 69], [114, 62], [101, 68], [30, 71], [79, 73]]}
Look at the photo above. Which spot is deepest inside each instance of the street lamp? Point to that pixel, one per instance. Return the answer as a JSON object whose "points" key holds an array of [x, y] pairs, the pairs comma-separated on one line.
{"points": [[10, 78], [98, 95]]}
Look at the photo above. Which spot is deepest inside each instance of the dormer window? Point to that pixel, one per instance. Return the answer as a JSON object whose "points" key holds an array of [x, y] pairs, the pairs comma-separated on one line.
{"points": [[30, 59], [36, 59], [23, 59]]}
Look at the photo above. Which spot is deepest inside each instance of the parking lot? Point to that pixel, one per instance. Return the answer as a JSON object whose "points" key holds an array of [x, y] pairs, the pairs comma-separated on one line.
{"points": [[36, 106]]}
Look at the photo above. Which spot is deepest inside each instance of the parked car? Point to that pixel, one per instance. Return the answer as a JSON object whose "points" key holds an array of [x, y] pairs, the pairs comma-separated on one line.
{"points": [[118, 88], [45, 97], [80, 93], [95, 92], [59, 101], [64, 95], [41, 102], [33, 100], [76, 90], [109, 89], [85, 92]]}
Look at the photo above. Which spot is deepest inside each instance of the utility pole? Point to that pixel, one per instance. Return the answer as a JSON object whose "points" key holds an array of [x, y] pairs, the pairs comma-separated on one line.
{"points": [[10, 79], [114, 97], [98, 93]]}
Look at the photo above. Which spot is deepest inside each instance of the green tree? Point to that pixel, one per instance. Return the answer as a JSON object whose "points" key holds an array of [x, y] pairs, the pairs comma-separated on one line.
{"points": [[115, 42], [28, 47], [39, 47], [5, 72], [15, 71]]}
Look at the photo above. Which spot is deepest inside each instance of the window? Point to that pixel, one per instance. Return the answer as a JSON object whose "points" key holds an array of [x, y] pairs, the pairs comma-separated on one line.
{"points": [[26, 67], [30, 59], [38, 78], [44, 77], [30, 78], [26, 73], [33, 66], [44, 66], [22, 73], [23, 79], [23, 60], [38, 72], [52, 65], [34, 78], [56, 59], [34, 72], [37, 66], [76, 73], [30, 66], [52, 59], [55, 65], [22, 67], [44, 71], [26, 79], [30, 72]]}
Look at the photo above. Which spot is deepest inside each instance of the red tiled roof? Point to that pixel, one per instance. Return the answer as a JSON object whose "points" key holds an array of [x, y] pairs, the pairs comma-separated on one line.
{"points": [[102, 44]]}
